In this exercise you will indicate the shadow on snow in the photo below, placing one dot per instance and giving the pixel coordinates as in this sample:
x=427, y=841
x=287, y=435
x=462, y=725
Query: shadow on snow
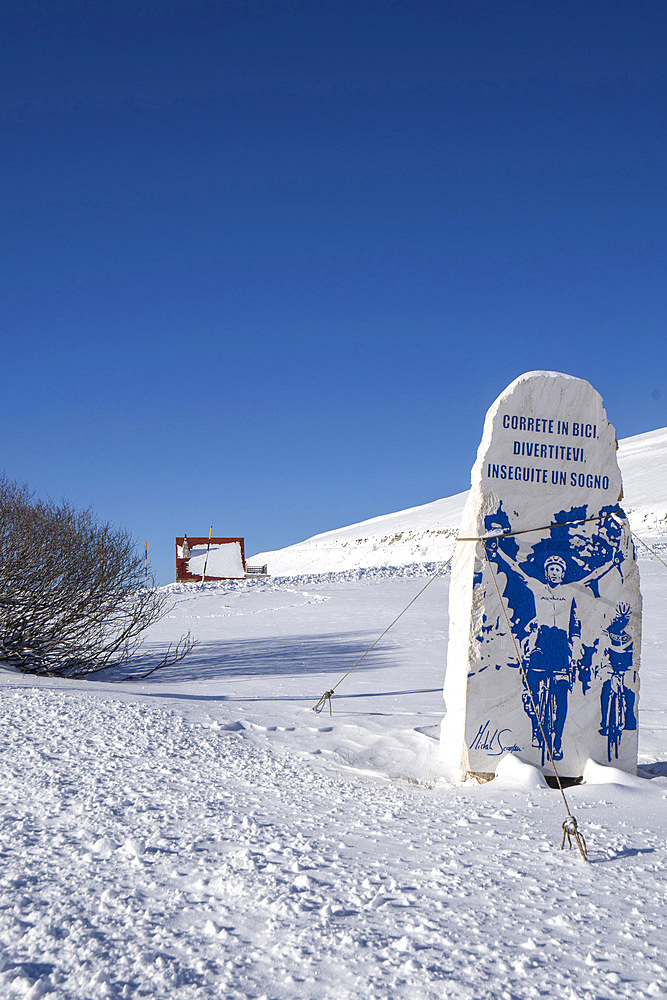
x=272, y=657
x=656, y=770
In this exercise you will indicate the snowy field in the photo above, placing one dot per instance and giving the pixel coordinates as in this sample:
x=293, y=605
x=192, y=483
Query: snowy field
x=204, y=834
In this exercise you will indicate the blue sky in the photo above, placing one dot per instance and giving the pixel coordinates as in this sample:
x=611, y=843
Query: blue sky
x=266, y=264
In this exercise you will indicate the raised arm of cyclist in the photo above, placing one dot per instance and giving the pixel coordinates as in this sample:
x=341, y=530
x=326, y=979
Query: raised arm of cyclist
x=511, y=562
x=595, y=574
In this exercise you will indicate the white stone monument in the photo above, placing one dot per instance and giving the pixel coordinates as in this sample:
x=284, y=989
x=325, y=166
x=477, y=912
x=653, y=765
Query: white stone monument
x=544, y=606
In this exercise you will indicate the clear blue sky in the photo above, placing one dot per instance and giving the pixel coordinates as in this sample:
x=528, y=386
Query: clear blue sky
x=265, y=265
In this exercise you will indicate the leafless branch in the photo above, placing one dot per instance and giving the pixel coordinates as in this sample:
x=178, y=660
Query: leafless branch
x=72, y=594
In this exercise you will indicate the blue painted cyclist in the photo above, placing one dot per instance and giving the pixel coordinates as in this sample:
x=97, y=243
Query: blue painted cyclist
x=553, y=647
x=618, y=660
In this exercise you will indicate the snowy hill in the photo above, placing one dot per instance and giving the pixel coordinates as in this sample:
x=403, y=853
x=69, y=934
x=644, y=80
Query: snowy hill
x=426, y=533
x=643, y=462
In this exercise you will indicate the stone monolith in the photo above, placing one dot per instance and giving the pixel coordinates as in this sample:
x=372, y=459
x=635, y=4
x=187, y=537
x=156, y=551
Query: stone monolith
x=545, y=605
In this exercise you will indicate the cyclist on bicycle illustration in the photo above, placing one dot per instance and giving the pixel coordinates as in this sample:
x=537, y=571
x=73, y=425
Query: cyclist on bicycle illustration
x=617, y=702
x=553, y=647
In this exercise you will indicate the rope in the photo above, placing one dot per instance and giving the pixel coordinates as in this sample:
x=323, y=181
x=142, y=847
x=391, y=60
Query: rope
x=570, y=828
x=327, y=696
x=545, y=527
x=322, y=703
x=647, y=547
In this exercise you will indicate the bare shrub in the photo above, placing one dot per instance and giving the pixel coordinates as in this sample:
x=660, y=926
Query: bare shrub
x=72, y=594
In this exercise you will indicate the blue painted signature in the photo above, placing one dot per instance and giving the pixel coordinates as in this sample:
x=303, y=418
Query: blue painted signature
x=494, y=741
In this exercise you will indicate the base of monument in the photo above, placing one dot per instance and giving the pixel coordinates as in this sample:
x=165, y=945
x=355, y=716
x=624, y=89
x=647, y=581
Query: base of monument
x=566, y=782
x=479, y=776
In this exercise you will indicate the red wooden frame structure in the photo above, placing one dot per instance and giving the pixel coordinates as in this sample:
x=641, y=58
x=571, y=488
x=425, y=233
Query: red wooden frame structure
x=182, y=574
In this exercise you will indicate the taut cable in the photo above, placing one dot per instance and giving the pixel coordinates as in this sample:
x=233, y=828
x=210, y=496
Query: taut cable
x=570, y=828
x=328, y=695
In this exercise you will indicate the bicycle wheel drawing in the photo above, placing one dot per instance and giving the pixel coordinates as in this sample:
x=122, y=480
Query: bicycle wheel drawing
x=546, y=713
x=615, y=718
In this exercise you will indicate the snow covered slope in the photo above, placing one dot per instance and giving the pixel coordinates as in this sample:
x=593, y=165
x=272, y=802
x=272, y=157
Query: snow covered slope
x=427, y=533
x=417, y=535
x=643, y=461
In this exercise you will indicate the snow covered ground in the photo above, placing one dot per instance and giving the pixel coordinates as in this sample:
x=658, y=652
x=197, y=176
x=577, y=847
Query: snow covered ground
x=204, y=834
